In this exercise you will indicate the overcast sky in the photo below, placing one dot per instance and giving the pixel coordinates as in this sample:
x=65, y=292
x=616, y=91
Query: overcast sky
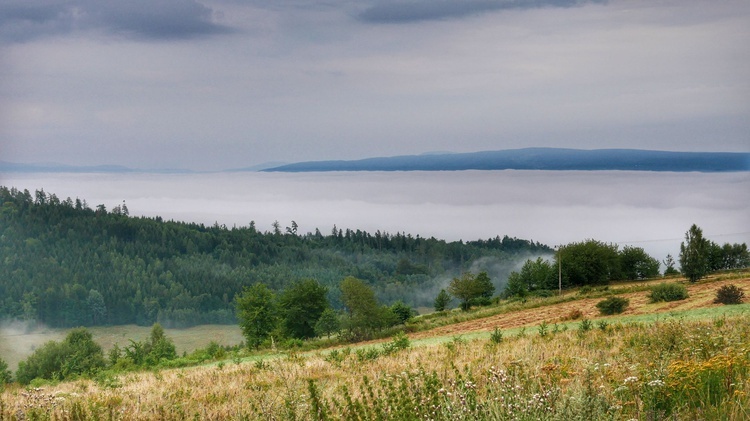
x=230, y=83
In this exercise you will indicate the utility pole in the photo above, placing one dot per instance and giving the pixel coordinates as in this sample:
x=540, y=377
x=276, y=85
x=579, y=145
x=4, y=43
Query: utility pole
x=559, y=270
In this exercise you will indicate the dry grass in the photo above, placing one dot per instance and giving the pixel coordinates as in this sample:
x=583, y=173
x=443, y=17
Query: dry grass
x=701, y=296
x=682, y=368
x=622, y=365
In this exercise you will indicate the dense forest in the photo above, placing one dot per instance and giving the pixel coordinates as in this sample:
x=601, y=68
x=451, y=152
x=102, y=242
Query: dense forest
x=65, y=264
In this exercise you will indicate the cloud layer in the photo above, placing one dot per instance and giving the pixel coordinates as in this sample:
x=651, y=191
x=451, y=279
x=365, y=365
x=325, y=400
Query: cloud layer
x=23, y=20
x=214, y=84
x=406, y=11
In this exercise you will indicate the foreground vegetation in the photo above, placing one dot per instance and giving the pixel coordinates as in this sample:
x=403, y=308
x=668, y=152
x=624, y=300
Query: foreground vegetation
x=677, y=369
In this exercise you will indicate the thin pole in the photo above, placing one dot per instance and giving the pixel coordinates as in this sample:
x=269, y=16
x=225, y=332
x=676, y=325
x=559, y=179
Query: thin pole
x=559, y=271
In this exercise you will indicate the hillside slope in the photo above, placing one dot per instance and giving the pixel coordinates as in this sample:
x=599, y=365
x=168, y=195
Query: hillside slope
x=701, y=296
x=679, y=368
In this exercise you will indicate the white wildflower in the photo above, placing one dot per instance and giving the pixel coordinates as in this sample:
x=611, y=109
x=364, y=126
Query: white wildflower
x=656, y=383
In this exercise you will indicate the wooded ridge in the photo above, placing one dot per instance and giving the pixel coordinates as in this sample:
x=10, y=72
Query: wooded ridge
x=65, y=264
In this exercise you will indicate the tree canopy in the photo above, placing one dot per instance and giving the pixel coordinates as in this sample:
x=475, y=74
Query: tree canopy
x=469, y=287
x=67, y=264
x=258, y=313
x=301, y=305
x=694, y=254
x=589, y=262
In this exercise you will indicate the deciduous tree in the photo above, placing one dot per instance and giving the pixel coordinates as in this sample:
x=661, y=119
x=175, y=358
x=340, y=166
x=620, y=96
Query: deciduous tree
x=590, y=262
x=328, y=323
x=364, y=313
x=635, y=263
x=469, y=287
x=694, y=258
x=257, y=313
x=301, y=305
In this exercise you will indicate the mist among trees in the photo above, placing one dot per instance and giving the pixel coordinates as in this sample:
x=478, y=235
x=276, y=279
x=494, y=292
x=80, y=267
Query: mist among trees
x=67, y=264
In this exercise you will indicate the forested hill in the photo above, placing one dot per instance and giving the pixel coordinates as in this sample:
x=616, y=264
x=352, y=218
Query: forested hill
x=554, y=159
x=65, y=264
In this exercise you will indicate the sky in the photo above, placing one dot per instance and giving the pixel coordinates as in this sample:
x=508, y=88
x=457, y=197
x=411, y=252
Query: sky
x=219, y=84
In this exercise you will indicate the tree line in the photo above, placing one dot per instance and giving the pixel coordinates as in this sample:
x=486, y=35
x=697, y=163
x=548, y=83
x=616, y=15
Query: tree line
x=592, y=262
x=66, y=263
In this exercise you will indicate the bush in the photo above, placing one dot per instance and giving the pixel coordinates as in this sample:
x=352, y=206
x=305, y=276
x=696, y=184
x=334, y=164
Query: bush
x=5, y=374
x=668, y=292
x=585, y=326
x=496, y=336
x=293, y=343
x=403, y=312
x=399, y=342
x=612, y=305
x=729, y=294
x=76, y=355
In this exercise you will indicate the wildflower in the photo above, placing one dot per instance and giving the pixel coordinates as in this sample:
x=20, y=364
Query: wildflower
x=631, y=379
x=656, y=383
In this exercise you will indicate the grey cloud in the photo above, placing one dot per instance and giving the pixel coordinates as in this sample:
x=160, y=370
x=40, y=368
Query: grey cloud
x=407, y=11
x=23, y=20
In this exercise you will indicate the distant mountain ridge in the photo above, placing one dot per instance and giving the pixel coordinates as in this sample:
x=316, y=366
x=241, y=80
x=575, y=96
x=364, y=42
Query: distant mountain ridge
x=551, y=159
x=556, y=159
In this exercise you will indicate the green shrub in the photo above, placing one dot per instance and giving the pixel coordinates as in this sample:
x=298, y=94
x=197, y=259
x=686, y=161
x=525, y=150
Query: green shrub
x=496, y=336
x=586, y=289
x=293, y=343
x=5, y=374
x=403, y=312
x=334, y=357
x=543, y=329
x=668, y=292
x=77, y=355
x=399, y=342
x=367, y=354
x=729, y=294
x=612, y=305
x=585, y=326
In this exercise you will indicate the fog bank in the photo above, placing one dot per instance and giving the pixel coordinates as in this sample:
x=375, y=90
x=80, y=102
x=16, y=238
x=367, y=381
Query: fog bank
x=649, y=210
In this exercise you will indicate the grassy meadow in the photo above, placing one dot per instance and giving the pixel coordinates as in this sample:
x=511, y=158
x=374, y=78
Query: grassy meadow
x=16, y=343
x=679, y=360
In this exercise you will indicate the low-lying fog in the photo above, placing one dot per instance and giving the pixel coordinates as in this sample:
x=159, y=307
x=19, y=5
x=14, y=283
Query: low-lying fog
x=649, y=210
x=646, y=209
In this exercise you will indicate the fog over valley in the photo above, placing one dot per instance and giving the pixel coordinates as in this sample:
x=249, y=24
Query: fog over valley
x=644, y=209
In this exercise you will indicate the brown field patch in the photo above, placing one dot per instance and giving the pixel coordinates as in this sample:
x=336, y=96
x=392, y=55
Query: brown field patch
x=701, y=296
